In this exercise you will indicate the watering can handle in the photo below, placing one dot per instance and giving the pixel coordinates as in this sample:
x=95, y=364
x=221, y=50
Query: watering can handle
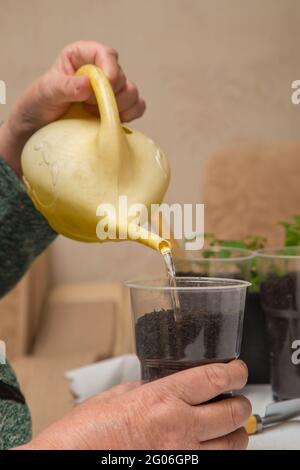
x=105, y=97
x=104, y=94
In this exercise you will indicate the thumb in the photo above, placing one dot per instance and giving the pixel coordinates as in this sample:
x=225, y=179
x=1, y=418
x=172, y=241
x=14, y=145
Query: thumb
x=68, y=89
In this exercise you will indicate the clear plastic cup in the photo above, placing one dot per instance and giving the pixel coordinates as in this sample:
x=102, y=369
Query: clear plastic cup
x=236, y=263
x=279, y=275
x=207, y=329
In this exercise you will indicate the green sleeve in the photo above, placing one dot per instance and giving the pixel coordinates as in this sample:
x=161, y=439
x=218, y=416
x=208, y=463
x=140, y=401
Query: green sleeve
x=24, y=234
x=15, y=419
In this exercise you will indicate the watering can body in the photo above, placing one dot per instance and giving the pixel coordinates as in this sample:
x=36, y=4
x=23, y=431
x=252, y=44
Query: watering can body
x=79, y=162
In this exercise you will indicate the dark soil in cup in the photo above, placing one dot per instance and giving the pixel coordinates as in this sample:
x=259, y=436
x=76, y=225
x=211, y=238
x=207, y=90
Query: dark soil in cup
x=254, y=348
x=281, y=301
x=165, y=346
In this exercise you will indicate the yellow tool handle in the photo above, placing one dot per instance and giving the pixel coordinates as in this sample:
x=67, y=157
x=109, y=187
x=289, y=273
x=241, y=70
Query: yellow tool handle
x=253, y=425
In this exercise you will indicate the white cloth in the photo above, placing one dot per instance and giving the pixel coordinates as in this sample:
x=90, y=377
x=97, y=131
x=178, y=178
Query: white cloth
x=95, y=378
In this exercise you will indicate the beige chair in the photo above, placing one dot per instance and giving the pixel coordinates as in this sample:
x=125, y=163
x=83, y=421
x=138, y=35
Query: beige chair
x=49, y=331
x=248, y=189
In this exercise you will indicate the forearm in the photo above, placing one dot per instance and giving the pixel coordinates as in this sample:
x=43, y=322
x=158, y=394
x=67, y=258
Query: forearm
x=14, y=134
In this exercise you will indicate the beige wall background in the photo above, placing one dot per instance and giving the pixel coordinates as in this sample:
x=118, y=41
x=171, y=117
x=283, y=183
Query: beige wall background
x=213, y=72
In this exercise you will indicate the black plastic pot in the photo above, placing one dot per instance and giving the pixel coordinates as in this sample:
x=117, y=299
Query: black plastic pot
x=280, y=298
x=279, y=276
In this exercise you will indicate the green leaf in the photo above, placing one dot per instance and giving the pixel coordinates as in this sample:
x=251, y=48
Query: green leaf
x=224, y=253
x=208, y=253
x=292, y=231
x=255, y=242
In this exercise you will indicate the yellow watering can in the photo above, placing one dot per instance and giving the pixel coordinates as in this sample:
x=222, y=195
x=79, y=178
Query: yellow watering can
x=78, y=162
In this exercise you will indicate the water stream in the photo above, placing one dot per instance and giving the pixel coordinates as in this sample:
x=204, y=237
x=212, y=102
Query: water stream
x=168, y=259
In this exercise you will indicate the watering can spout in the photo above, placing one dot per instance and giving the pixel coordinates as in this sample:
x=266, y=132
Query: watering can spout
x=152, y=240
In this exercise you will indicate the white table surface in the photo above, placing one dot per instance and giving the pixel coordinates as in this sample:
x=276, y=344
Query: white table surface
x=285, y=436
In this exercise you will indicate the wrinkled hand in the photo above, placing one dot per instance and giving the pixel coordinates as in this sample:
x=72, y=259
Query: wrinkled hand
x=170, y=413
x=50, y=96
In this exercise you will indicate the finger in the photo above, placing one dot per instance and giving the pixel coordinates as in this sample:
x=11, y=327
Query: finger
x=201, y=384
x=76, y=54
x=80, y=53
x=134, y=112
x=94, y=110
x=91, y=52
x=226, y=415
x=122, y=82
x=128, y=97
x=108, y=62
x=61, y=88
x=237, y=440
x=83, y=89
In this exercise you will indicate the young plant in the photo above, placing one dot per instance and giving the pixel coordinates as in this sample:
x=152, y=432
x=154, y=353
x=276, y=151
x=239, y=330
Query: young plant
x=253, y=243
x=292, y=233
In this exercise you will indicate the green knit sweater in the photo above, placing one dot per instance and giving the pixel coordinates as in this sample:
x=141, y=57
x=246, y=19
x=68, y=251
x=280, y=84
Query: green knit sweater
x=24, y=234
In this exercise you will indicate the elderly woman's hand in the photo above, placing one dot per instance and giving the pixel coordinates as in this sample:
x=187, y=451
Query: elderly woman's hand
x=50, y=96
x=170, y=413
